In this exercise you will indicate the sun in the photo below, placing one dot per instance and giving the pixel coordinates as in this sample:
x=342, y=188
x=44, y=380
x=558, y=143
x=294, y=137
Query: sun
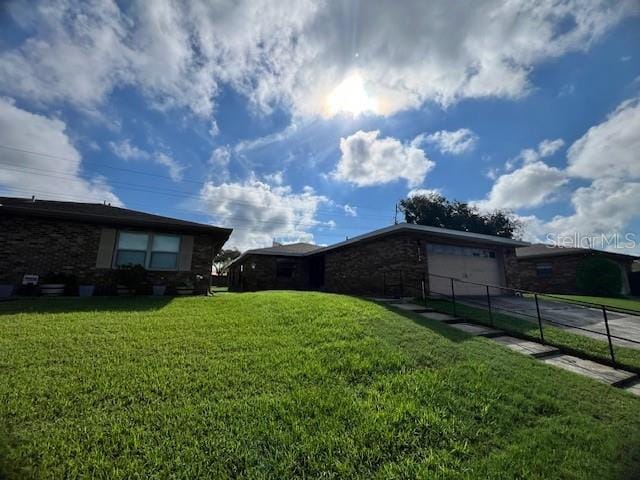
x=350, y=97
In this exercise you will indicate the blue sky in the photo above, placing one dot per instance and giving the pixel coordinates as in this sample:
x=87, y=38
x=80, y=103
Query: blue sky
x=308, y=121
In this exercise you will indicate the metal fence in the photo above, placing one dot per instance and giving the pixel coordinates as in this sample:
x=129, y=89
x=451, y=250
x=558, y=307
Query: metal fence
x=494, y=300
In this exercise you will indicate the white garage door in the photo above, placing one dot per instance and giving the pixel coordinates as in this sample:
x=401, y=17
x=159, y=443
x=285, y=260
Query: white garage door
x=471, y=264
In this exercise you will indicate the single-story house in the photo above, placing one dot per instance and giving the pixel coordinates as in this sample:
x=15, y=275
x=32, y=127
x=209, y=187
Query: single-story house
x=90, y=241
x=553, y=269
x=389, y=261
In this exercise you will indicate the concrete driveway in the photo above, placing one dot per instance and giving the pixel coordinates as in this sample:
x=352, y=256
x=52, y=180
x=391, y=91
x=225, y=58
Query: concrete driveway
x=621, y=325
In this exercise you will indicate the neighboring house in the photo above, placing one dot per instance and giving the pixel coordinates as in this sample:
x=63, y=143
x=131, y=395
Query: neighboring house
x=391, y=260
x=91, y=240
x=551, y=269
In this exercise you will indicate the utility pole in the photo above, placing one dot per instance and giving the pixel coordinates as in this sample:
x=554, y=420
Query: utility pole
x=395, y=217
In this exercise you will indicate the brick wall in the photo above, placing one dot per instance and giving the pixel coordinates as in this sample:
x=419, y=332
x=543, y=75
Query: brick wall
x=39, y=246
x=259, y=272
x=563, y=277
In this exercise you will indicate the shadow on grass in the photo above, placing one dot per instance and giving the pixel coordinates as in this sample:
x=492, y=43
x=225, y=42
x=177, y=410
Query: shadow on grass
x=78, y=304
x=435, y=326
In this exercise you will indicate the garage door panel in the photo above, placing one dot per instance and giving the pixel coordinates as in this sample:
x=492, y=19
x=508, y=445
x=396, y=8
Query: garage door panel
x=479, y=269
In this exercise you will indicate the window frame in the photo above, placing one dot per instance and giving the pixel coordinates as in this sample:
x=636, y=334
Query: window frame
x=293, y=264
x=546, y=267
x=149, y=251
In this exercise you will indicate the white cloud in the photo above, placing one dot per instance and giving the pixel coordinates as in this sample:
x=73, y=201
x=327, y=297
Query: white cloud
x=424, y=192
x=220, y=157
x=260, y=213
x=350, y=211
x=275, y=178
x=369, y=160
x=127, y=151
x=611, y=148
x=455, y=142
x=546, y=148
x=214, y=130
x=293, y=53
x=58, y=174
x=175, y=168
x=529, y=186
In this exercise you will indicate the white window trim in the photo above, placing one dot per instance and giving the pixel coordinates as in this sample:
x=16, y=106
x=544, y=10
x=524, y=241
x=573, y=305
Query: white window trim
x=147, y=257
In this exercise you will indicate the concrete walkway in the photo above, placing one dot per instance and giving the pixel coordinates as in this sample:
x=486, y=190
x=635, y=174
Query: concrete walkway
x=548, y=354
x=621, y=325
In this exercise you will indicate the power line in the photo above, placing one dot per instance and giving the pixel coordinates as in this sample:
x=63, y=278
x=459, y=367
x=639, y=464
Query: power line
x=123, y=169
x=236, y=221
x=155, y=190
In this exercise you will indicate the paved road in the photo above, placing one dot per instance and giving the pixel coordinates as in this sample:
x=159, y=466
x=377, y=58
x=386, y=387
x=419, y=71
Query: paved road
x=621, y=325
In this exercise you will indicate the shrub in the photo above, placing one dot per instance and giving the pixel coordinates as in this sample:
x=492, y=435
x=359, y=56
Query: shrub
x=132, y=277
x=599, y=276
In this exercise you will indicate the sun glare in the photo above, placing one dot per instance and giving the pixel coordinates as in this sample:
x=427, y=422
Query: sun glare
x=351, y=97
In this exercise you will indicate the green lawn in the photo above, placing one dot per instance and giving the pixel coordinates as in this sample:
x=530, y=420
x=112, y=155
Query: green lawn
x=565, y=338
x=626, y=303
x=282, y=385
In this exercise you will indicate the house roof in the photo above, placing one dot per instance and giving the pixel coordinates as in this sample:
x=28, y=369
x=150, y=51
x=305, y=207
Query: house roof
x=540, y=250
x=306, y=249
x=103, y=214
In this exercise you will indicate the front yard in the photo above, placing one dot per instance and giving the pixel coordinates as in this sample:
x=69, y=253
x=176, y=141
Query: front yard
x=288, y=384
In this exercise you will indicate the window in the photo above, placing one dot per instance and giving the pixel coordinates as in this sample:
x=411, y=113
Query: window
x=285, y=267
x=132, y=249
x=544, y=269
x=153, y=251
x=164, y=252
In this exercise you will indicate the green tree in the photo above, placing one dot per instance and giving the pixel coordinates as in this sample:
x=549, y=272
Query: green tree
x=436, y=211
x=599, y=276
x=223, y=259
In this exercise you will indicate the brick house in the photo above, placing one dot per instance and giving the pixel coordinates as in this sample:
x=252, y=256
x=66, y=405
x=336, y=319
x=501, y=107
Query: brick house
x=90, y=241
x=389, y=261
x=551, y=269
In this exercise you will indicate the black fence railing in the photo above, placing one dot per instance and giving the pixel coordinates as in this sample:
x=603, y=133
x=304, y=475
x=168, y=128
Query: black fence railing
x=541, y=308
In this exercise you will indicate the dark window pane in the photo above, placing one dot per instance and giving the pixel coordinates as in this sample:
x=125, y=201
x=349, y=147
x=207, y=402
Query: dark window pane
x=165, y=261
x=285, y=267
x=128, y=257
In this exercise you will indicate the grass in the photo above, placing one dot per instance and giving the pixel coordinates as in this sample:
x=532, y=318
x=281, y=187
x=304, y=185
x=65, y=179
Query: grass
x=571, y=342
x=289, y=385
x=613, y=302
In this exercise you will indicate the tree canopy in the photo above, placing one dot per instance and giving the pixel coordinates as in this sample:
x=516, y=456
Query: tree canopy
x=435, y=210
x=223, y=259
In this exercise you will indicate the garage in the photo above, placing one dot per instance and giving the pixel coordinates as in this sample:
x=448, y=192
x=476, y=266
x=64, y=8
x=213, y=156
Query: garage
x=470, y=264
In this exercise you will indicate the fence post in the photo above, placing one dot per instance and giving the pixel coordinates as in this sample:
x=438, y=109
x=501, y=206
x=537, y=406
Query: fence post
x=489, y=304
x=453, y=298
x=606, y=324
x=539, y=318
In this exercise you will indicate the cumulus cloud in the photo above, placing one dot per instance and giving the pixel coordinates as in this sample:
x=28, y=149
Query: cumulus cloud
x=293, y=52
x=260, y=213
x=127, y=151
x=529, y=186
x=546, y=148
x=453, y=142
x=611, y=148
x=56, y=175
x=369, y=160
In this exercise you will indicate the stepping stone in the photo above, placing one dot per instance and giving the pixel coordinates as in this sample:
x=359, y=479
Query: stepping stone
x=412, y=307
x=597, y=371
x=474, y=329
x=441, y=317
x=525, y=347
x=634, y=388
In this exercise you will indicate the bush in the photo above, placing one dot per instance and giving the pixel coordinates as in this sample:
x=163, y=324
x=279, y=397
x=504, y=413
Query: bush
x=600, y=277
x=132, y=277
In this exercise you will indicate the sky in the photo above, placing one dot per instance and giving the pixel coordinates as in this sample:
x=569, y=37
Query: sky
x=309, y=120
